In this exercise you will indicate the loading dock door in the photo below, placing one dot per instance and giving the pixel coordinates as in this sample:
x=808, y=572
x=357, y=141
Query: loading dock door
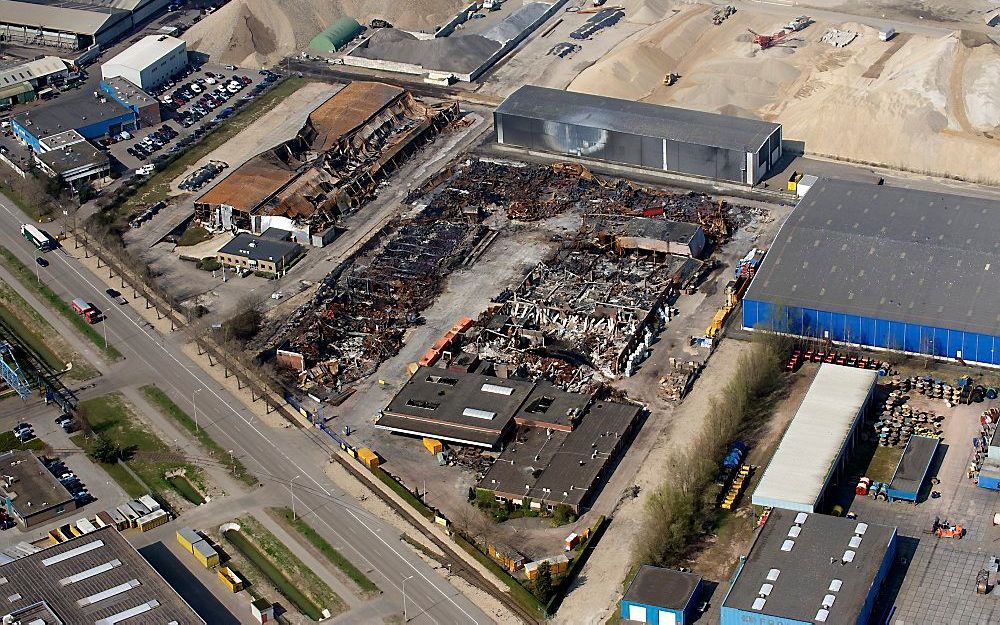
x=637, y=613
x=667, y=618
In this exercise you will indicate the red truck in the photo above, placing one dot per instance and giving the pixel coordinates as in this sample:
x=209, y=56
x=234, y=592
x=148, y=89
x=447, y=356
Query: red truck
x=86, y=310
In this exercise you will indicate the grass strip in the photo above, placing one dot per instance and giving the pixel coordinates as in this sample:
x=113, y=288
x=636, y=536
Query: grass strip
x=520, y=594
x=404, y=492
x=161, y=400
x=366, y=585
x=9, y=442
x=26, y=277
x=109, y=417
x=281, y=566
x=157, y=187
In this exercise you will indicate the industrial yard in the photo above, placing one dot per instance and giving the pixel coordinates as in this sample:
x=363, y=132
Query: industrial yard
x=513, y=311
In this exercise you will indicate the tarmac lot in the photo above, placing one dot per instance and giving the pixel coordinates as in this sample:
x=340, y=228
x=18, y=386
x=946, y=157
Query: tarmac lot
x=934, y=579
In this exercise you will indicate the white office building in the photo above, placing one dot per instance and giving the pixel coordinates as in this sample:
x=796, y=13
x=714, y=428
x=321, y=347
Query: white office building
x=148, y=63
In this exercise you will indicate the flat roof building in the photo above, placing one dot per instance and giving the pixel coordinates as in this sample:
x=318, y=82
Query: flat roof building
x=59, y=24
x=815, y=446
x=810, y=568
x=32, y=495
x=635, y=133
x=650, y=234
x=885, y=268
x=96, y=578
x=148, y=63
x=913, y=468
x=265, y=254
x=75, y=164
x=92, y=117
x=659, y=596
x=129, y=95
x=550, y=467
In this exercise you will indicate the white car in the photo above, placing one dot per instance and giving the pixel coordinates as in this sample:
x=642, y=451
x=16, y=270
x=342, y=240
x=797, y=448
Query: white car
x=195, y=88
x=233, y=89
x=209, y=80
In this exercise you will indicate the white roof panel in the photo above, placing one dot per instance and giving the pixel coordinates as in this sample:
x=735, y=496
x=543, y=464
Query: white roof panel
x=145, y=52
x=63, y=19
x=801, y=467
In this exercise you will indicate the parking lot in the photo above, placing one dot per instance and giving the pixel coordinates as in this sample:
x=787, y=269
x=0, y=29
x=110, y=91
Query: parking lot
x=190, y=107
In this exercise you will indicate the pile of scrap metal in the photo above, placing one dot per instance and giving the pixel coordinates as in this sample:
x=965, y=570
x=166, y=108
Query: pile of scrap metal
x=586, y=309
x=359, y=316
x=334, y=163
x=535, y=192
x=676, y=384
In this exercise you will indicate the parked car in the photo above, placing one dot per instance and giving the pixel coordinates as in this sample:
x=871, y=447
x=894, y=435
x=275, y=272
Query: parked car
x=41, y=261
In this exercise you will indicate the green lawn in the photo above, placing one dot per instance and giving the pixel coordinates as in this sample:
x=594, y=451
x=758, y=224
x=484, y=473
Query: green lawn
x=157, y=187
x=8, y=442
x=110, y=417
x=366, y=585
x=166, y=405
x=27, y=277
x=300, y=584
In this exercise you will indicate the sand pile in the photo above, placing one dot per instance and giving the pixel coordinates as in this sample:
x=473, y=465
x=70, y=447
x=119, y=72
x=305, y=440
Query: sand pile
x=649, y=11
x=934, y=100
x=255, y=33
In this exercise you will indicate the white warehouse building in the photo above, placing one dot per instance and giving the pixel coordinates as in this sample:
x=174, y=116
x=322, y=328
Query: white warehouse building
x=148, y=63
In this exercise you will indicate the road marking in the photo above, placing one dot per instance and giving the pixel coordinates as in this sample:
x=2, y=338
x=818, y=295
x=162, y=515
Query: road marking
x=261, y=434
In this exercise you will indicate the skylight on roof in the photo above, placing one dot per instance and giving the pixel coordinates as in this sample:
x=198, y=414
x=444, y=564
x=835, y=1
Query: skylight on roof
x=787, y=545
x=758, y=603
x=835, y=585
x=773, y=574
x=848, y=556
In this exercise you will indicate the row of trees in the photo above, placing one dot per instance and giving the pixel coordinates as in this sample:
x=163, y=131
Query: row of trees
x=683, y=506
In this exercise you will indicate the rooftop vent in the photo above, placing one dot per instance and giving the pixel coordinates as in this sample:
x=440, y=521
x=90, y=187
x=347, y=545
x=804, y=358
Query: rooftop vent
x=773, y=574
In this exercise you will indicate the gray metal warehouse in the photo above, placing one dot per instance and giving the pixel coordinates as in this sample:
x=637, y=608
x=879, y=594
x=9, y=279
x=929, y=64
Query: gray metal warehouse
x=634, y=133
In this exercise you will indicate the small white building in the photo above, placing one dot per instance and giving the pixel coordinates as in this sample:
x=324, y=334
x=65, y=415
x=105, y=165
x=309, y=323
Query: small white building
x=148, y=63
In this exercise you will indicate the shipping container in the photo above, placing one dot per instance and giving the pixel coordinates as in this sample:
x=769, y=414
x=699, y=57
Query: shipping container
x=151, y=520
x=149, y=502
x=205, y=553
x=989, y=481
x=187, y=537
x=572, y=541
x=139, y=507
x=117, y=519
x=129, y=514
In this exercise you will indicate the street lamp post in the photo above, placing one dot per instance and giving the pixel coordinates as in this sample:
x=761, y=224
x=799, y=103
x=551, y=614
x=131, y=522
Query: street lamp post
x=406, y=619
x=194, y=404
x=232, y=461
x=291, y=493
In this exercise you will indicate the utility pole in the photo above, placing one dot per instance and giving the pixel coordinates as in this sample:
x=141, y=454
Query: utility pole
x=291, y=492
x=194, y=404
x=406, y=619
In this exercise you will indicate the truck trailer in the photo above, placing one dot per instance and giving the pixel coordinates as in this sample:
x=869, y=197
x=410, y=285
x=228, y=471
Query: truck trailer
x=86, y=310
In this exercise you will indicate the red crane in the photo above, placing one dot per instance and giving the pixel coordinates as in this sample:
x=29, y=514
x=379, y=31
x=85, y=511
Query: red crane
x=766, y=41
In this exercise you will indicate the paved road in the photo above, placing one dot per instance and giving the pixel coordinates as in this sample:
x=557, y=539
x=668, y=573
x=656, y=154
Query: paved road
x=277, y=456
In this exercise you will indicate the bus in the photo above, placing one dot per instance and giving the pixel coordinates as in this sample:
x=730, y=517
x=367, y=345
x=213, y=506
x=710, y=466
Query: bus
x=37, y=238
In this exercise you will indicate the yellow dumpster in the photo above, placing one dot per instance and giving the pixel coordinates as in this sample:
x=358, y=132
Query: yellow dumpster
x=433, y=446
x=187, y=537
x=205, y=553
x=232, y=581
x=368, y=458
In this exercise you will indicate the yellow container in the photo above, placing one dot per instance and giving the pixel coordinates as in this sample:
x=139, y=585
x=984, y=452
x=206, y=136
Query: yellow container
x=368, y=458
x=151, y=520
x=206, y=554
x=433, y=446
x=55, y=537
x=187, y=537
x=232, y=581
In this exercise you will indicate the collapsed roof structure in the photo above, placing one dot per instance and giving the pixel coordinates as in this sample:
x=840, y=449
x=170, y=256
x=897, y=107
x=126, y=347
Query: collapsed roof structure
x=330, y=168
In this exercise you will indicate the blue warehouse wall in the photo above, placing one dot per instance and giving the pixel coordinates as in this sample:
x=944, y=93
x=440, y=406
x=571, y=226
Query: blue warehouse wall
x=872, y=332
x=106, y=88
x=25, y=135
x=125, y=121
x=733, y=616
x=652, y=613
x=880, y=576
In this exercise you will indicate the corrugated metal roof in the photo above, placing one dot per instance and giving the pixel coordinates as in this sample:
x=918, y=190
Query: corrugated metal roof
x=801, y=467
x=888, y=253
x=59, y=18
x=250, y=184
x=348, y=109
x=32, y=69
x=145, y=52
x=638, y=118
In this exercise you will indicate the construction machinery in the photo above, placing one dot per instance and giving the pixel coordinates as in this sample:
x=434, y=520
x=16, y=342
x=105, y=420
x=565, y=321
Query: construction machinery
x=670, y=79
x=982, y=582
x=766, y=41
x=720, y=14
x=798, y=23
x=944, y=529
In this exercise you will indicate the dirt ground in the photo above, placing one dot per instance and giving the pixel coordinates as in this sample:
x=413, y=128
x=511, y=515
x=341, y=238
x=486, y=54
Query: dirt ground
x=259, y=33
x=934, y=93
